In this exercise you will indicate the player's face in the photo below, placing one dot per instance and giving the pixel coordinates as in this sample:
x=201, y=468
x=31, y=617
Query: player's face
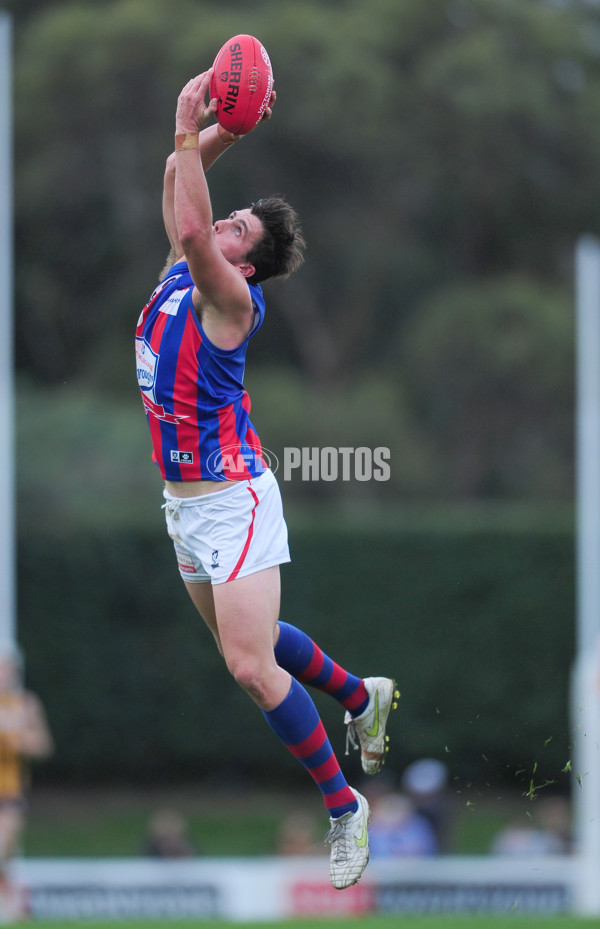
x=237, y=235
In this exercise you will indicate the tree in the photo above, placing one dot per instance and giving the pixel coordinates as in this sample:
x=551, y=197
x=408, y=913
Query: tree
x=490, y=371
x=425, y=145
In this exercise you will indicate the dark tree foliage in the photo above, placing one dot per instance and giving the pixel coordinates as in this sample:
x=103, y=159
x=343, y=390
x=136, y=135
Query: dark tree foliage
x=429, y=147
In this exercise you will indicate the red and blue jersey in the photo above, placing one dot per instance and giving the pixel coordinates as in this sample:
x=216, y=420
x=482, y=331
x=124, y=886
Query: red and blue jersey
x=197, y=407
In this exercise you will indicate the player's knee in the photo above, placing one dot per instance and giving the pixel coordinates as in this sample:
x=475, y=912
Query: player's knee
x=247, y=673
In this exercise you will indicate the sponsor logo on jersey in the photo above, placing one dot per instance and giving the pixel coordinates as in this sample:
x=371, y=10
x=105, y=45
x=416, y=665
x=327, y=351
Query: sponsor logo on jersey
x=146, y=364
x=182, y=457
x=171, y=305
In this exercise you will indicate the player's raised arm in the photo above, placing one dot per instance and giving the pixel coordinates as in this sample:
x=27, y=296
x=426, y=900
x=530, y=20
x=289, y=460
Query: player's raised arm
x=219, y=275
x=213, y=142
x=239, y=114
x=168, y=211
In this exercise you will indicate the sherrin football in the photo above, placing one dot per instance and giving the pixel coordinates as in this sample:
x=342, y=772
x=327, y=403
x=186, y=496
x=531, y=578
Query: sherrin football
x=242, y=82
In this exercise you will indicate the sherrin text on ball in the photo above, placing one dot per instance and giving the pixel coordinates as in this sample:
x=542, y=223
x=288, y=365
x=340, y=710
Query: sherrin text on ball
x=242, y=82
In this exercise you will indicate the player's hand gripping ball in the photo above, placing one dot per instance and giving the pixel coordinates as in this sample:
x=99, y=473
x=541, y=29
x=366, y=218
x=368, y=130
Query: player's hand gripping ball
x=242, y=82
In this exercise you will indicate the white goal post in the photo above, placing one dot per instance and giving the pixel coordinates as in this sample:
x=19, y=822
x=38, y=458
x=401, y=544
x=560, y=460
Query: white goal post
x=7, y=489
x=585, y=698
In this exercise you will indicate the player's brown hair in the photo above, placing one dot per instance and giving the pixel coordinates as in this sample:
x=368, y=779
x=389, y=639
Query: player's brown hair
x=280, y=250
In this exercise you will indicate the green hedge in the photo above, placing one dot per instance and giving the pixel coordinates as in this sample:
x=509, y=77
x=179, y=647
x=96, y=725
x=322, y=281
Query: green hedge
x=476, y=625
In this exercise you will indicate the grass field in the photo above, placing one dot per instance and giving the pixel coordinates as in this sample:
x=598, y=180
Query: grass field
x=511, y=921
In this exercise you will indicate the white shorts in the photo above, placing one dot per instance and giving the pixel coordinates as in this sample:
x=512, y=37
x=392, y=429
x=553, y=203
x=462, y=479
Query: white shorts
x=229, y=533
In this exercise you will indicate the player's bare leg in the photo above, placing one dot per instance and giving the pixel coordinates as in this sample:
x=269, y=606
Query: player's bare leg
x=246, y=612
x=202, y=598
x=242, y=615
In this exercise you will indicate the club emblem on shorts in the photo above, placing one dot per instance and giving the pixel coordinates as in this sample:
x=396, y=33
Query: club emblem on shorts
x=215, y=558
x=182, y=457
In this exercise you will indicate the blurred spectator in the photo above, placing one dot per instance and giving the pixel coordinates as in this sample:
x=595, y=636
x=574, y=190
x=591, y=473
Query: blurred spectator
x=554, y=815
x=550, y=834
x=24, y=735
x=297, y=836
x=398, y=829
x=425, y=782
x=167, y=836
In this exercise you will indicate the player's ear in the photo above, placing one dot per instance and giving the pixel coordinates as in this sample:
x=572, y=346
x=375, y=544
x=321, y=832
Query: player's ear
x=247, y=269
